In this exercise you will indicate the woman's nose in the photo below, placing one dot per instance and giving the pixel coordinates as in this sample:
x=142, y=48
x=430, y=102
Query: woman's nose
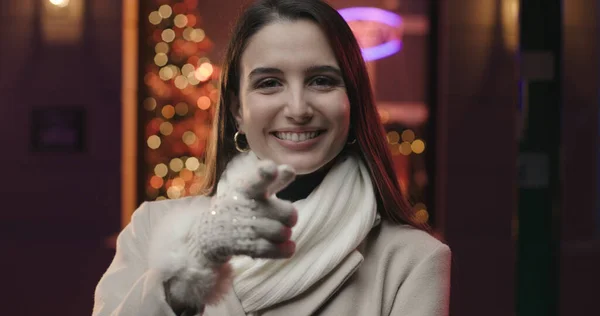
x=298, y=108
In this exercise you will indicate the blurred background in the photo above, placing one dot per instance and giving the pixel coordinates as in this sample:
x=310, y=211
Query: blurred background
x=491, y=110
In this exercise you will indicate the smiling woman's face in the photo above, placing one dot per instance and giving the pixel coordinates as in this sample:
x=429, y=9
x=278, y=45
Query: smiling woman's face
x=293, y=104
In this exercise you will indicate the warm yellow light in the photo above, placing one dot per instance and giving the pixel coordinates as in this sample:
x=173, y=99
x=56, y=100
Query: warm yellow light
x=180, y=21
x=174, y=192
x=181, y=82
x=166, y=128
x=175, y=69
x=153, y=142
x=421, y=216
x=418, y=146
x=166, y=73
x=408, y=135
x=203, y=103
x=203, y=60
x=168, y=111
x=393, y=137
x=191, y=78
x=165, y=11
x=192, y=163
x=187, y=33
x=168, y=35
x=510, y=24
x=60, y=3
x=161, y=47
x=405, y=148
x=187, y=69
x=208, y=66
x=197, y=35
x=154, y=18
x=161, y=59
x=204, y=72
x=384, y=116
x=189, y=138
x=161, y=170
x=176, y=164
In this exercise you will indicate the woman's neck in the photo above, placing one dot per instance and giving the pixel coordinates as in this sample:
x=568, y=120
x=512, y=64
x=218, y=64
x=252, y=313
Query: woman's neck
x=304, y=184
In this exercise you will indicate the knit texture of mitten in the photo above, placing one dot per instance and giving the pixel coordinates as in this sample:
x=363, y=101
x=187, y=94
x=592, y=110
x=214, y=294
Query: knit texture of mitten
x=192, y=248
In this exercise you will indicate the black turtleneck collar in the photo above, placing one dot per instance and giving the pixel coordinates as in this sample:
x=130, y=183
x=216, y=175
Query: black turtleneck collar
x=304, y=184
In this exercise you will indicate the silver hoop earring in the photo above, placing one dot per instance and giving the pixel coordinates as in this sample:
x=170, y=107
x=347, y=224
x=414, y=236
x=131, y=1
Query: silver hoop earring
x=352, y=142
x=237, y=145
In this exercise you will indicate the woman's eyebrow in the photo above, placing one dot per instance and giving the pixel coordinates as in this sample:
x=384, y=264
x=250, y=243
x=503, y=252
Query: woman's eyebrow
x=324, y=68
x=264, y=71
x=310, y=70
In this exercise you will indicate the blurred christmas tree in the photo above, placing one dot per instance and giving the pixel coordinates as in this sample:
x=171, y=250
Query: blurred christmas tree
x=180, y=87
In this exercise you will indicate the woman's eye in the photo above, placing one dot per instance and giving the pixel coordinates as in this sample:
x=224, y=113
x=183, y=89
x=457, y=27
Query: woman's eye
x=325, y=82
x=267, y=83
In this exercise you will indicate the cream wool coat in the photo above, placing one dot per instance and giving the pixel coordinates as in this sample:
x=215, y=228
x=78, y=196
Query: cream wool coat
x=396, y=271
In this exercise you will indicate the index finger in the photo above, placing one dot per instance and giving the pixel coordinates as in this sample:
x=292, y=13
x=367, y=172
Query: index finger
x=285, y=175
x=256, y=184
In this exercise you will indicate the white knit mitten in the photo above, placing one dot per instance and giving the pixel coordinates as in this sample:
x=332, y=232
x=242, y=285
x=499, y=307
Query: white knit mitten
x=244, y=219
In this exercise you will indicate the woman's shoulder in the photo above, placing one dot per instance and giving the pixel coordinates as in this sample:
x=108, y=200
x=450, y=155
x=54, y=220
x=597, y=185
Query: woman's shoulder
x=408, y=241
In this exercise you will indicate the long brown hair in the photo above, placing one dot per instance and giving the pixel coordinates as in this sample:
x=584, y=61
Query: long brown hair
x=365, y=123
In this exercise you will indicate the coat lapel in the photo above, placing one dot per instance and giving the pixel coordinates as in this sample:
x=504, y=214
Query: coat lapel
x=305, y=304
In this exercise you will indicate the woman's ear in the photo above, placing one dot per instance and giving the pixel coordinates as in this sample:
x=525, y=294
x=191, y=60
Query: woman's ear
x=236, y=111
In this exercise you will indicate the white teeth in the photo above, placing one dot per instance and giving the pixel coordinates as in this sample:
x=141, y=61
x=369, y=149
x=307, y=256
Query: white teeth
x=296, y=137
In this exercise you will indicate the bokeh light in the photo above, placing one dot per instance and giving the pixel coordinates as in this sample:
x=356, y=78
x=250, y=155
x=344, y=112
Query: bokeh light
x=154, y=18
x=166, y=128
x=168, y=111
x=168, y=35
x=165, y=11
x=408, y=135
x=418, y=146
x=405, y=148
x=203, y=103
x=176, y=164
x=192, y=163
x=393, y=137
x=161, y=170
x=153, y=142
x=181, y=21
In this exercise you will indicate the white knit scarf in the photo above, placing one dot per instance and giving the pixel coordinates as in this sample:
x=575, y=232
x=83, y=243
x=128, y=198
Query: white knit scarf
x=332, y=221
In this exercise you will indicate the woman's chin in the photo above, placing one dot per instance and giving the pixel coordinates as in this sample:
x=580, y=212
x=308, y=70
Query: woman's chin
x=303, y=161
x=305, y=165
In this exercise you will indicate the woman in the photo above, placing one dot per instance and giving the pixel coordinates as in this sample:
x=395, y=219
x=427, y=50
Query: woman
x=302, y=213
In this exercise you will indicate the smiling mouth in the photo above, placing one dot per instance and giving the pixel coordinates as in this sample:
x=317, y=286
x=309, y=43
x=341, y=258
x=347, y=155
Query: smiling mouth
x=297, y=137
